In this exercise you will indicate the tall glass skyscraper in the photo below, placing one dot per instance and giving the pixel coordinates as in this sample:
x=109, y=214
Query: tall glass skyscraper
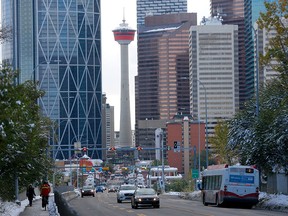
x=252, y=9
x=58, y=43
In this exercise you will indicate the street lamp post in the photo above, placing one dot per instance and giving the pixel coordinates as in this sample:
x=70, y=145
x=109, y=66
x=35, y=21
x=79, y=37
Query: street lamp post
x=257, y=69
x=162, y=158
x=206, y=123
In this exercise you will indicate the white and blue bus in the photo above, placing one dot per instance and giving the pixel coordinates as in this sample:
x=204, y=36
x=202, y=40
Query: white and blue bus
x=223, y=184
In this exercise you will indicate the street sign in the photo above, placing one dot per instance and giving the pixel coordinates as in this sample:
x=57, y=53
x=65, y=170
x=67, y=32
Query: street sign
x=195, y=173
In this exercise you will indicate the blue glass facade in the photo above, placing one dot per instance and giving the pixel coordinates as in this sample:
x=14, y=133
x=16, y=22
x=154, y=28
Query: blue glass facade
x=58, y=43
x=252, y=9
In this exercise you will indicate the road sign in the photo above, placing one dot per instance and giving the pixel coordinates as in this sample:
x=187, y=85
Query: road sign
x=195, y=173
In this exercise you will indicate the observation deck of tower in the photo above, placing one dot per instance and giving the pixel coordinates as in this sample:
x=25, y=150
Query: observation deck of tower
x=124, y=35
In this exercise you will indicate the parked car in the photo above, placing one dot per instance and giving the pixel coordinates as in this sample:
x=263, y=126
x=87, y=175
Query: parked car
x=145, y=197
x=88, y=191
x=125, y=192
x=99, y=189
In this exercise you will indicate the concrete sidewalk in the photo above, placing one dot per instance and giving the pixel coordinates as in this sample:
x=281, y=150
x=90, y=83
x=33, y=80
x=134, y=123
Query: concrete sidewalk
x=37, y=210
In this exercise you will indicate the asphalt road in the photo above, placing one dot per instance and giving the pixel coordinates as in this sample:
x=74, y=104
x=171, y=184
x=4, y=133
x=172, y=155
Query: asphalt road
x=106, y=204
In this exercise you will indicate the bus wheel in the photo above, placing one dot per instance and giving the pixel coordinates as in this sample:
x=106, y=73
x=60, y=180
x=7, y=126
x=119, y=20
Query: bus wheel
x=204, y=202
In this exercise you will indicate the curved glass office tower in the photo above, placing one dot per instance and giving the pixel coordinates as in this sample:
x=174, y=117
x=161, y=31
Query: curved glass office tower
x=58, y=43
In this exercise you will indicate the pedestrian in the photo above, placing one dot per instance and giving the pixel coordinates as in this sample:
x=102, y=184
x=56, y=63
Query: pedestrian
x=44, y=192
x=30, y=193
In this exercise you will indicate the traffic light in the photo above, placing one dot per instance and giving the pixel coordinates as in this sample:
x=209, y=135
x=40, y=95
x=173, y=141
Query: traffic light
x=168, y=148
x=112, y=149
x=175, y=144
x=139, y=148
x=84, y=149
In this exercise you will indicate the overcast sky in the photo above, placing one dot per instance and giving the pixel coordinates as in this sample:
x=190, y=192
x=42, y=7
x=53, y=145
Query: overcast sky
x=112, y=16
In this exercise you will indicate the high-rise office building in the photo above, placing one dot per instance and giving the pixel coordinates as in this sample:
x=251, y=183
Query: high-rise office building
x=252, y=9
x=232, y=13
x=59, y=44
x=266, y=73
x=162, y=83
x=152, y=8
x=108, y=131
x=214, y=72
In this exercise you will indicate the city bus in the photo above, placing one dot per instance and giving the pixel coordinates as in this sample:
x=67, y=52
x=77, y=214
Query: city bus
x=223, y=184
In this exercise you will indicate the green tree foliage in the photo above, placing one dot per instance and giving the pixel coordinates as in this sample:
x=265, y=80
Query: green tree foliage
x=23, y=134
x=276, y=19
x=263, y=139
x=219, y=143
x=179, y=185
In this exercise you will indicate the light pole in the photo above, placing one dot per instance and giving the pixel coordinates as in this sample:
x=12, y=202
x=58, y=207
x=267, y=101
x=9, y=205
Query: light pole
x=162, y=158
x=206, y=123
x=257, y=69
x=199, y=154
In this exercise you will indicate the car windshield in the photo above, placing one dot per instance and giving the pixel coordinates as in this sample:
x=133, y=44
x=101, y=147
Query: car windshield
x=146, y=191
x=128, y=187
x=87, y=188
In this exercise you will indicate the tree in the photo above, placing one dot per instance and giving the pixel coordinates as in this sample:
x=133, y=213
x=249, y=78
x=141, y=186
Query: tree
x=262, y=139
x=24, y=150
x=219, y=143
x=275, y=18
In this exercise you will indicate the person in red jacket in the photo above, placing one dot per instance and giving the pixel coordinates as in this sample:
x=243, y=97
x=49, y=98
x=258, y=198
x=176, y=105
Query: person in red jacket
x=44, y=192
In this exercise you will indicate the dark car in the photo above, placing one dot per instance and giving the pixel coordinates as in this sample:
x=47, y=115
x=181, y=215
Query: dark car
x=99, y=189
x=88, y=191
x=112, y=188
x=145, y=197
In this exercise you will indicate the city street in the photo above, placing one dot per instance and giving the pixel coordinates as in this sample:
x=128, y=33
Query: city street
x=106, y=204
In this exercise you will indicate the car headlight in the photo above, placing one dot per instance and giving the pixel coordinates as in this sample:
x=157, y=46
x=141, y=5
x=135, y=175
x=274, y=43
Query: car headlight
x=155, y=199
x=139, y=199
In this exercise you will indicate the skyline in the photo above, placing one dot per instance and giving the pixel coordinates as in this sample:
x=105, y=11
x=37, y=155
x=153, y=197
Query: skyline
x=111, y=50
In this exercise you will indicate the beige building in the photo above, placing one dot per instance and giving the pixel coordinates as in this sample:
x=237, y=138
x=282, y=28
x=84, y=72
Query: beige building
x=213, y=72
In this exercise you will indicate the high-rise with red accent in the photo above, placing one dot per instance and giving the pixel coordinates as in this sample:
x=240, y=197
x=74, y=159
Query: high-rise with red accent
x=124, y=35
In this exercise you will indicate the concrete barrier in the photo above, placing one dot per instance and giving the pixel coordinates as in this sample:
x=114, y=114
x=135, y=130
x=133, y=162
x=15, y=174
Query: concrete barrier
x=69, y=195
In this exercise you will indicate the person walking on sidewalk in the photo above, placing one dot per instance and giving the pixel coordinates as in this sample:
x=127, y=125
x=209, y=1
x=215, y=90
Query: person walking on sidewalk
x=30, y=193
x=44, y=192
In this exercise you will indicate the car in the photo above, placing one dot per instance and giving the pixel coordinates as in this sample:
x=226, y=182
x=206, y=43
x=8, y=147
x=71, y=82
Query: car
x=145, y=197
x=88, y=191
x=99, y=189
x=103, y=187
x=112, y=188
x=125, y=192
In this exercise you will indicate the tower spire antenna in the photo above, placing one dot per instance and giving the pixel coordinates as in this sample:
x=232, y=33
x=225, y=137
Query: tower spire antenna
x=124, y=20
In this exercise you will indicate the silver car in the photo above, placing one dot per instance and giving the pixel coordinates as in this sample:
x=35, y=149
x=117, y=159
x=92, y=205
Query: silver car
x=125, y=192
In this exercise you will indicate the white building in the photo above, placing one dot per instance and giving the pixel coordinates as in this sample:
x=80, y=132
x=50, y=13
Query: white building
x=170, y=173
x=213, y=72
x=263, y=36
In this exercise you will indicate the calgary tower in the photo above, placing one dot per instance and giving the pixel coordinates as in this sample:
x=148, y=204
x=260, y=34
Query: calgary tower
x=124, y=35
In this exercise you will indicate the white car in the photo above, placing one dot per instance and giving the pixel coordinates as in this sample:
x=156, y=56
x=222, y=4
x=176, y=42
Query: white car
x=125, y=192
